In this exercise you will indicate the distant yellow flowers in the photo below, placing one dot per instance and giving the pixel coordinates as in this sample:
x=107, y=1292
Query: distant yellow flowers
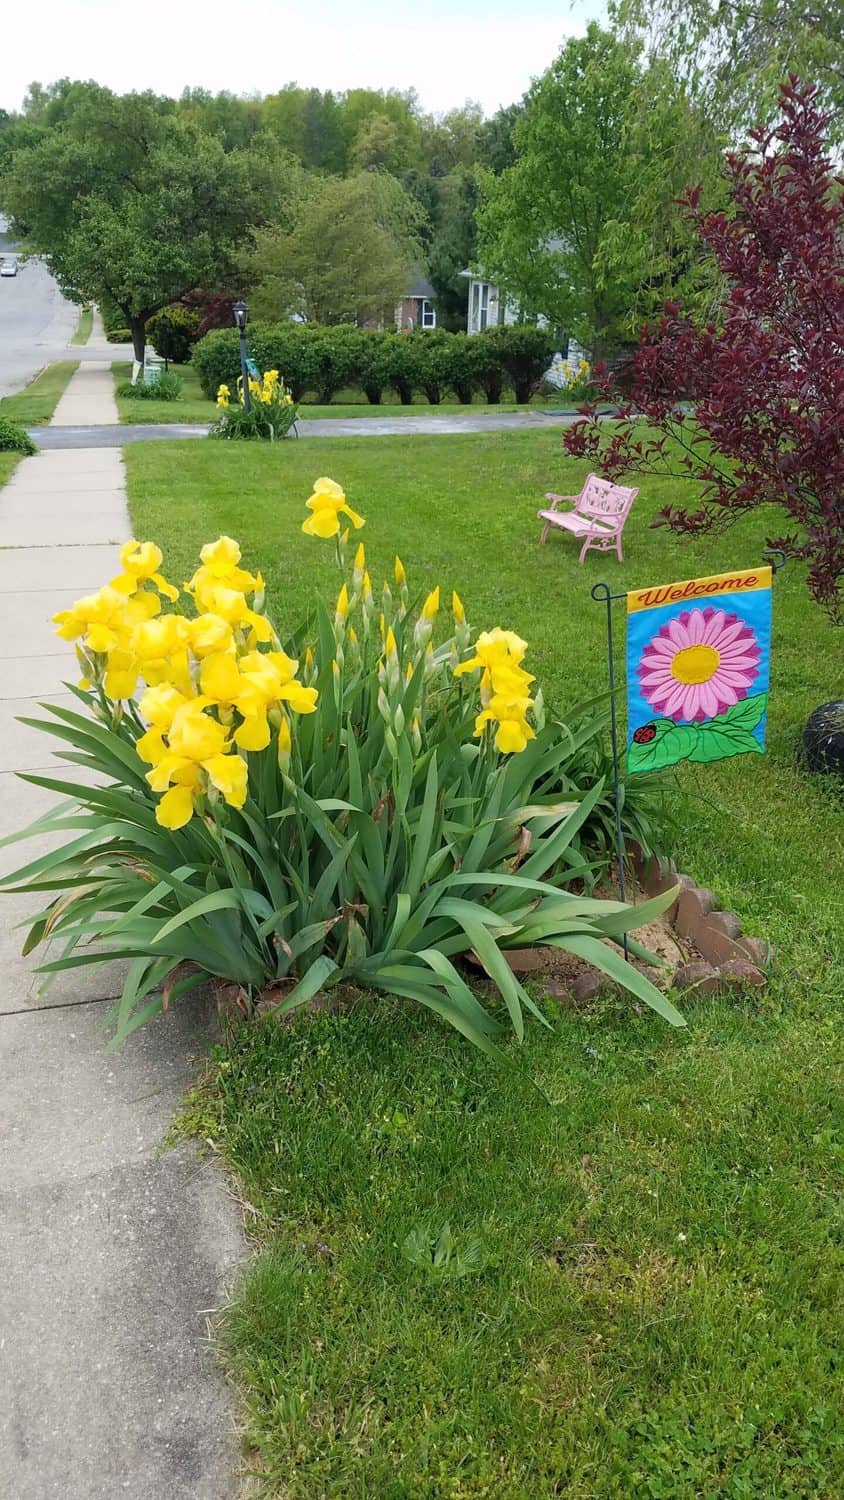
x=268, y=391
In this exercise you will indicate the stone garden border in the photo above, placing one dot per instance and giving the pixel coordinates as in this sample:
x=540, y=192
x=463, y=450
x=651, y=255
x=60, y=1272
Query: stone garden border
x=727, y=959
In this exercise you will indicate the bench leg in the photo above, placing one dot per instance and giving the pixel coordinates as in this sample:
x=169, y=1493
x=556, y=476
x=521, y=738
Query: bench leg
x=545, y=530
x=618, y=552
x=584, y=549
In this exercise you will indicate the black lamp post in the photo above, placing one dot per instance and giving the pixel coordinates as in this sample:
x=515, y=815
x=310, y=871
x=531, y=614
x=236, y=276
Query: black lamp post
x=241, y=318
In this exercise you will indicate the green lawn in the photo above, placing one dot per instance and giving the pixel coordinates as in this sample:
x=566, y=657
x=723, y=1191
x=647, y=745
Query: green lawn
x=34, y=406
x=194, y=407
x=8, y=464
x=651, y=1304
x=84, y=326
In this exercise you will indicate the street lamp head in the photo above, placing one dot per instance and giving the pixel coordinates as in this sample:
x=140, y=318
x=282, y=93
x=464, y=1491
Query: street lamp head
x=241, y=314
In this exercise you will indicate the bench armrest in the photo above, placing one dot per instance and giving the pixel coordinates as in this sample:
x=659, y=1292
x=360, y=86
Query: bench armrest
x=558, y=499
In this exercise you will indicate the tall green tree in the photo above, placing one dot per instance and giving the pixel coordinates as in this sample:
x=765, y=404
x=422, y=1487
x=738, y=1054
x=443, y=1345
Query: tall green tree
x=735, y=53
x=348, y=257
x=453, y=245
x=132, y=204
x=584, y=226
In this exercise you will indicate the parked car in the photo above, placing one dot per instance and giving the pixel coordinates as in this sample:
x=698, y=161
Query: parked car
x=9, y=267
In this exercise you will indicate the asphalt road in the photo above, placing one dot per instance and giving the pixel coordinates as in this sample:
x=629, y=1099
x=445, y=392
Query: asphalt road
x=35, y=321
x=360, y=427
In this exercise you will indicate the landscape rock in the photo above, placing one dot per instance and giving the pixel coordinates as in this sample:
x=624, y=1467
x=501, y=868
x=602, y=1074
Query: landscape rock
x=739, y=974
x=524, y=960
x=698, y=976
x=715, y=937
x=694, y=904
x=756, y=949
x=658, y=875
x=589, y=986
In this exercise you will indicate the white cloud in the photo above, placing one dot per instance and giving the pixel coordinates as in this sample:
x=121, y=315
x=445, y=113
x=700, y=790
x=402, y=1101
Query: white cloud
x=448, y=54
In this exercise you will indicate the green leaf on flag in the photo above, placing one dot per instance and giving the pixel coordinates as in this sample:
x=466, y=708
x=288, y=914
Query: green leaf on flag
x=664, y=743
x=730, y=733
x=668, y=744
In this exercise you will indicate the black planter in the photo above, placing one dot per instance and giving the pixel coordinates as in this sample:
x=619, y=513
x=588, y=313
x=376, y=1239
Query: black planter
x=823, y=738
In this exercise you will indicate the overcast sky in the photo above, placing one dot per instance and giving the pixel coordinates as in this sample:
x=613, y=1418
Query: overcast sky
x=449, y=50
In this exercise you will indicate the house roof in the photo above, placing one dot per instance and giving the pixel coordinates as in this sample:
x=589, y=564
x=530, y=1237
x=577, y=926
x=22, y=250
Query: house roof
x=421, y=287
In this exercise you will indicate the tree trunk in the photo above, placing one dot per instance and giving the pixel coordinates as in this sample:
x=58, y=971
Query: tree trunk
x=138, y=330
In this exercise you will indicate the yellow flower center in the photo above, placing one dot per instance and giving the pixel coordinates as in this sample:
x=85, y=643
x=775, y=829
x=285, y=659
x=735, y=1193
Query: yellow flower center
x=695, y=664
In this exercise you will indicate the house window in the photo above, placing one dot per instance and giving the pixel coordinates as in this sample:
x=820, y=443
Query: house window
x=484, y=306
x=429, y=314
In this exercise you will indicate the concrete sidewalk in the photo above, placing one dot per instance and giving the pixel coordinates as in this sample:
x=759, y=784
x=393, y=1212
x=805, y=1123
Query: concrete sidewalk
x=111, y=1257
x=88, y=400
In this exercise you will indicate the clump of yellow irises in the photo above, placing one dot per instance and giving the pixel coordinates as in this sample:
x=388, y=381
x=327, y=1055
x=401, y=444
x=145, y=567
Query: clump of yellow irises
x=211, y=691
x=268, y=390
x=215, y=685
x=504, y=684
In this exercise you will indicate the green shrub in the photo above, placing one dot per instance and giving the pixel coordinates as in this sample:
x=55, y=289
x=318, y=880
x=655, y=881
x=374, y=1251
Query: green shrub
x=375, y=364
x=434, y=363
x=326, y=360
x=119, y=336
x=172, y=333
x=488, y=354
x=337, y=355
x=13, y=438
x=526, y=352
x=360, y=820
x=290, y=348
x=216, y=360
x=168, y=387
x=402, y=357
x=463, y=367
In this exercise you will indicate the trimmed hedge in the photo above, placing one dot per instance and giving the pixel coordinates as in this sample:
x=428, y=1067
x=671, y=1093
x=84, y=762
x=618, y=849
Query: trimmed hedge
x=326, y=360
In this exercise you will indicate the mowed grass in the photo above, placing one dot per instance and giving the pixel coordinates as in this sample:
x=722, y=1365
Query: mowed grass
x=8, y=464
x=84, y=326
x=195, y=407
x=647, y=1219
x=191, y=407
x=34, y=406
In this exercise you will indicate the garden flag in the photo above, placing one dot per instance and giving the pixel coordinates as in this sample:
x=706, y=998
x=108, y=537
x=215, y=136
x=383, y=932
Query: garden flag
x=698, y=660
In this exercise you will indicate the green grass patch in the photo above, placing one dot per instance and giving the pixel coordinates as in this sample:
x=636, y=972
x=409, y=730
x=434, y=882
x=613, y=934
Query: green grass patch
x=8, y=464
x=195, y=407
x=191, y=406
x=84, y=326
x=646, y=1243
x=34, y=406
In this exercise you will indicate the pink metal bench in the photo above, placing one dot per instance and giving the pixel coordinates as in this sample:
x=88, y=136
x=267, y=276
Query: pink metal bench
x=600, y=511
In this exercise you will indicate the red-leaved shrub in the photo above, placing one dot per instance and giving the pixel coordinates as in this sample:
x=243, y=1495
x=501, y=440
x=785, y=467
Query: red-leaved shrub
x=753, y=407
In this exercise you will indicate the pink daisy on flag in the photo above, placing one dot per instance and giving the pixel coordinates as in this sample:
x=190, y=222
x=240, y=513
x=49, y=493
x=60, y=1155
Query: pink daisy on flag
x=699, y=664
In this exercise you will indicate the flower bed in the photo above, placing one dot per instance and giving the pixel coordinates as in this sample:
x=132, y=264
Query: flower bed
x=361, y=801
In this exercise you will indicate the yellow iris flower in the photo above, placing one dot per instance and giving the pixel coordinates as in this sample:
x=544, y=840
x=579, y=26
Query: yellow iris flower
x=327, y=504
x=504, y=688
x=220, y=569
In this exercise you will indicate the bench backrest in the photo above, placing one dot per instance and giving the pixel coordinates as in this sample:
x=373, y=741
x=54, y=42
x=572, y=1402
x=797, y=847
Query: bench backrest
x=600, y=497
